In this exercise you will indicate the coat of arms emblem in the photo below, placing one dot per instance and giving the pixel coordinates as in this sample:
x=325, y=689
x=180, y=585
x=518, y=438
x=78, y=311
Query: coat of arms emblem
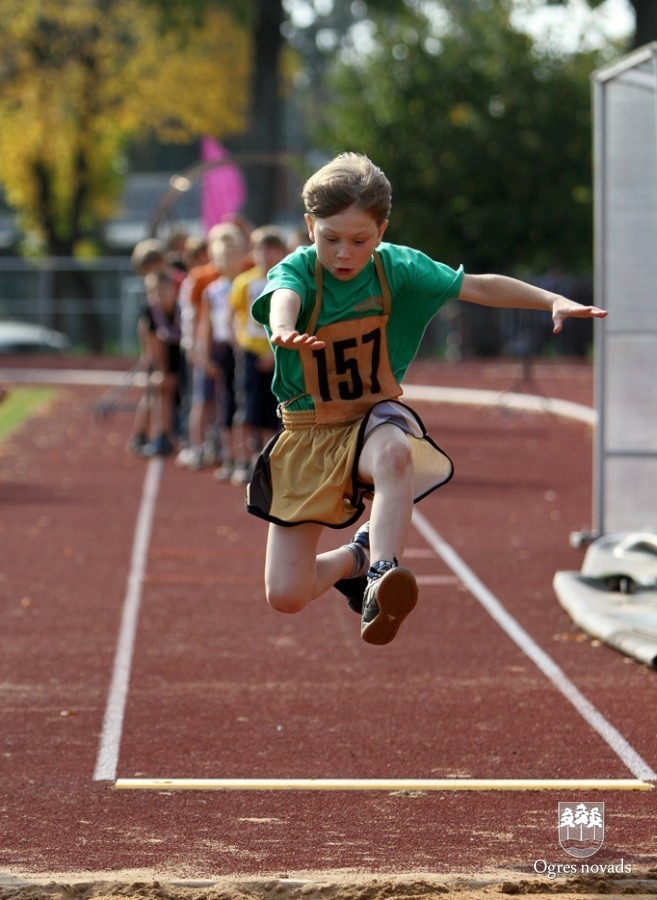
x=581, y=828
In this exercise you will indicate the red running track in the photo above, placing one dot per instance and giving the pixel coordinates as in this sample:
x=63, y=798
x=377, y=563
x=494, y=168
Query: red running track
x=219, y=686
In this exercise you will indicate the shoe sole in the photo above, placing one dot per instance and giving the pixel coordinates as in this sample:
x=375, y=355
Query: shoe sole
x=396, y=597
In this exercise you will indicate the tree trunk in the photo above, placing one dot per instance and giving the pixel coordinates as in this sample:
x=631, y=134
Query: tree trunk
x=72, y=288
x=69, y=284
x=646, y=22
x=264, y=131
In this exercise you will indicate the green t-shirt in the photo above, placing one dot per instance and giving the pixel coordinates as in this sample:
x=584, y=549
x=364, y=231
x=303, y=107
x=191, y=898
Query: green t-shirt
x=419, y=287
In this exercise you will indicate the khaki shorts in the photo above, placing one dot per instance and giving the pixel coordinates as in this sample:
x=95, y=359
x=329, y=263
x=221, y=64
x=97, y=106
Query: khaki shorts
x=309, y=472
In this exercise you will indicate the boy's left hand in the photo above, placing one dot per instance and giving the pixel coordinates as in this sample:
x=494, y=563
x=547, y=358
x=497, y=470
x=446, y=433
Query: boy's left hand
x=563, y=309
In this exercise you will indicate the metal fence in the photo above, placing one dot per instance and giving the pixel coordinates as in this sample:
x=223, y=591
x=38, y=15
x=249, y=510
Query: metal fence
x=625, y=121
x=96, y=305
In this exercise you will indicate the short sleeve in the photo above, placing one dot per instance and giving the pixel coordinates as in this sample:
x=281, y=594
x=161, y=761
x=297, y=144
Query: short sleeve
x=295, y=273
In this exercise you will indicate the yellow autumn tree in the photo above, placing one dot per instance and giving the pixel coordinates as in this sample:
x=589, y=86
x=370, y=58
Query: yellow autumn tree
x=79, y=79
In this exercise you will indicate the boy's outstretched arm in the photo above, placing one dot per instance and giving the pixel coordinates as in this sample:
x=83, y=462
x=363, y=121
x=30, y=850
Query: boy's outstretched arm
x=284, y=310
x=510, y=293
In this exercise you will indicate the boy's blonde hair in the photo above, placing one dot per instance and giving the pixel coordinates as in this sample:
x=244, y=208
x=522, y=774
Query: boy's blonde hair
x=147, y=254
x=268, y=236
x=351, y=179
x=226, y=235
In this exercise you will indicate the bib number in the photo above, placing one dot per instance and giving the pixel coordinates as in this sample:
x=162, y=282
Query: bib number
x=345, y=362
x=352, y=371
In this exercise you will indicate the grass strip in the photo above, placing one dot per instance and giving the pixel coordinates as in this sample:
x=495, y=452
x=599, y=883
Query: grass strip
x=19, y=404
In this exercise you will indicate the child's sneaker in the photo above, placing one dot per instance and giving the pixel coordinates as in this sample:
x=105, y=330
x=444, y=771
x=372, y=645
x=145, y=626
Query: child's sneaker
x=209, y=452
x=241, y=474
x=225, y=470
x=161, y=446
x=390, y=595
x=136, y=444
x=353, y=588
x=184, y=457
x=196, y=460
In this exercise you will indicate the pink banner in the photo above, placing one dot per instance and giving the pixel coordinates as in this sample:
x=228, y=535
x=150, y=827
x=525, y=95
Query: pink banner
x=223, y=190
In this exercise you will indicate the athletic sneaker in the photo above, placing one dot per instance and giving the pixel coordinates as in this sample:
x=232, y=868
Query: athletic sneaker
x=225, y=470
x=190, y=458
x=161, y=446
x=210, y=452
x=354, y=588
x=241, y=474
x=390, y=595
x=136, y=444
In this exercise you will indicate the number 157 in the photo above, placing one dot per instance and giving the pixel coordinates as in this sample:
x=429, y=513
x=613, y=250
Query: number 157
x=346, y=363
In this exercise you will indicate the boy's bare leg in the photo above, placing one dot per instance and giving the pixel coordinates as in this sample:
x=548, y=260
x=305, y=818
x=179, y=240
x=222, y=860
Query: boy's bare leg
x=196, y=423
x=158, y=403
x=386, y=462
x=294, y=574
x=391, y=592
x=169, y=386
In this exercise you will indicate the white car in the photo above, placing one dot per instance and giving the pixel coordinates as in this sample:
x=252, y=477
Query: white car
x=23, y=337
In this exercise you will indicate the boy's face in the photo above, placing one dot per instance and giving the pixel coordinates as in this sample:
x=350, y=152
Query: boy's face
x=265, y=256
x=345, y=241
x=229, y=259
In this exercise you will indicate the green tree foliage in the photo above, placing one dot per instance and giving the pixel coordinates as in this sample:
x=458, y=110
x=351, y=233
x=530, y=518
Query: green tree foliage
x=79, y=79
x=279, y=49
x=486, y=142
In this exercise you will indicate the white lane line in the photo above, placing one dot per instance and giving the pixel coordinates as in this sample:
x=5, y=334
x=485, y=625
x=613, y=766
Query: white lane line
x=110, y=739
x=525, y=402
x=635, y=763
x=428, y=393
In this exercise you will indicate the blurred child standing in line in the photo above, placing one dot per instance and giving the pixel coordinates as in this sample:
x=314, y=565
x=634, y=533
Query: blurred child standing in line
x=162, y=320
x=214, y=383
x=259, y=417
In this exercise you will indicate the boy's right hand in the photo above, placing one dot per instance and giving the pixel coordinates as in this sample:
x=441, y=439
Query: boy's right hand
x=292, y=340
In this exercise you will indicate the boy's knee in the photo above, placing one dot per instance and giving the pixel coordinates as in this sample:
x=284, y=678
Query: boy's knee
x=396, y=457
x=285, y=601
